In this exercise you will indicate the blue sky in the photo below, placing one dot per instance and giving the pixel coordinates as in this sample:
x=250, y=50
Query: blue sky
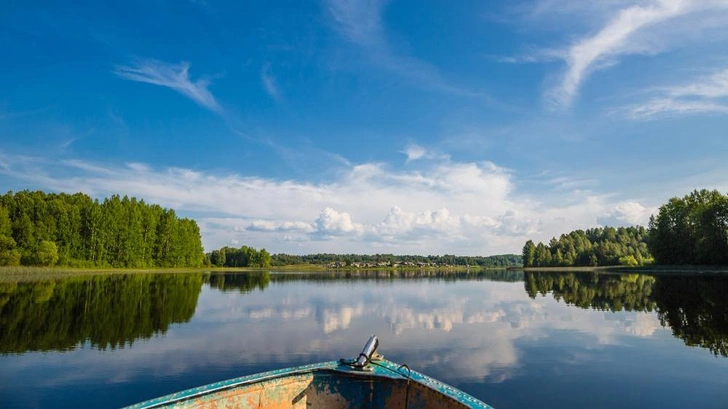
x=370, y=126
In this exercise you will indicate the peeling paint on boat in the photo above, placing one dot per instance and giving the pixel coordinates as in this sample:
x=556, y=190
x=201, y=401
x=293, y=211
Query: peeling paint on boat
x=383, y=384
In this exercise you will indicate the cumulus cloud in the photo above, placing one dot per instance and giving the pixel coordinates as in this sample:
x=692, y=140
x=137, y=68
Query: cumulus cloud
x=627, y=214
x=333, y=223
x=173, y=76
x=443, y=207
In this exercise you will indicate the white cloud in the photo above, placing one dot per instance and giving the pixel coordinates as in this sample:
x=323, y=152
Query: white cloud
x=414, y=152
x=613, y=39
x=333, y=223
x=274, y=226
x=359, y=20
x=618, y=29
x=269, y=83
x=706, y=95
x=627, y=214
x=174, y=76
x=444, y=207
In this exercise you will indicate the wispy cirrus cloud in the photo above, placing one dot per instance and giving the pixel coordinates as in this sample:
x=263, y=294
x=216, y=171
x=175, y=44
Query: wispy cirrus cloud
x=617, y=29
x=360, y=22
x=173, y=76
x=269, y=83
x=705, y=95
x=613, y=39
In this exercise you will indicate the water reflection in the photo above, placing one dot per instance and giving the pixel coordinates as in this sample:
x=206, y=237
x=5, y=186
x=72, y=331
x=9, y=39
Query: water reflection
x=694, y=307
x=106, y=311
x=480, y=332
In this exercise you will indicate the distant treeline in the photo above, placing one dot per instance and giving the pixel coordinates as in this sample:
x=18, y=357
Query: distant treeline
x=250, y=257
x=505, y=260
x=691, y=230
x=47, y=229
x=594, y=247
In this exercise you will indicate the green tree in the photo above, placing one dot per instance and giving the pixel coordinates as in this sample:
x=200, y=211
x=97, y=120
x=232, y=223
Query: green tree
x=529, y=254
x=691, y=230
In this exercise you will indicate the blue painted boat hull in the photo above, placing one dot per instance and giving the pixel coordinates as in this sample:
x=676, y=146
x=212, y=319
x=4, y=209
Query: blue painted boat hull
x=382, y=384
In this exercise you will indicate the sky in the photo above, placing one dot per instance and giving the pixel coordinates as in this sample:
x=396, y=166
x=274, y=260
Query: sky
x=354, y=126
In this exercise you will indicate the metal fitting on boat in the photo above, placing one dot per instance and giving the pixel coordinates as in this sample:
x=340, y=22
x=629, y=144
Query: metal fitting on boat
x=366, y=354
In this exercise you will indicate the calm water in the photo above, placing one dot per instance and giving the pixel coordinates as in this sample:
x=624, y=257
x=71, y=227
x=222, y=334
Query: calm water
x=513, y=340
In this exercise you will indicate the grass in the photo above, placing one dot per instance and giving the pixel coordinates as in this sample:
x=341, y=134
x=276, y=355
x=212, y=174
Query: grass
x=29, y=273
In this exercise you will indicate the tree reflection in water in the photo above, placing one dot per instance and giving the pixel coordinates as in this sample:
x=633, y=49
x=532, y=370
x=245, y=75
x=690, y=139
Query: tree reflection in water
x=694, y=307
x=112, y=311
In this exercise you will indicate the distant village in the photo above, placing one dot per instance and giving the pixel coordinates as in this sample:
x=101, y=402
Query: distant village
x=404, y=264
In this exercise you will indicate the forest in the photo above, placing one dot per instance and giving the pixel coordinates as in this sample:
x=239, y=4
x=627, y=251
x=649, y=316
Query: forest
x=46, y=229
x=691, y=230
x=592, y=247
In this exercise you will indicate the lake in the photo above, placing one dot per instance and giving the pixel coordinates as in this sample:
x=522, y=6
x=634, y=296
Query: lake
x=512, y=339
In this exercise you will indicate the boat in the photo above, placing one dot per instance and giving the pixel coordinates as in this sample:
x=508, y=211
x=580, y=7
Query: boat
x=367, y=381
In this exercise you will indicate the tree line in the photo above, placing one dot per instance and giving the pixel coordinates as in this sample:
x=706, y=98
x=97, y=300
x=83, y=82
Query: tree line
x=691, y=230
x=47, y=229
x=592, y=247
x=688, y=230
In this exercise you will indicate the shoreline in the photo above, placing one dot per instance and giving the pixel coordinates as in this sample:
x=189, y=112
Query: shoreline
x=651, y=269
x=30, y=273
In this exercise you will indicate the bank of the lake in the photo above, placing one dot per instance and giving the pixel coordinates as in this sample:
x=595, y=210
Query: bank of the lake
x=648, y=269
x=30, y=273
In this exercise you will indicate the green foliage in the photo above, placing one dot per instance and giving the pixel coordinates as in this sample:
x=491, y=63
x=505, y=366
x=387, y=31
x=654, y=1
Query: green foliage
x=691, y=230
x=9, y=256
x=243, y=257
x=629, y=261
x=44, y=254
x=74, y=230
x=594, y=247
